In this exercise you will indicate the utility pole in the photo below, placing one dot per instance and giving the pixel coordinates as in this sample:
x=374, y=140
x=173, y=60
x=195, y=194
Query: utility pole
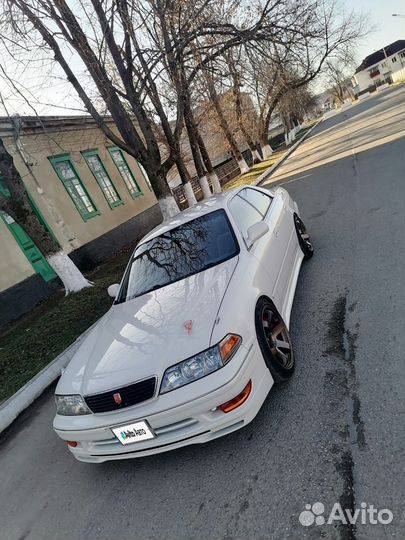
x=386, y=61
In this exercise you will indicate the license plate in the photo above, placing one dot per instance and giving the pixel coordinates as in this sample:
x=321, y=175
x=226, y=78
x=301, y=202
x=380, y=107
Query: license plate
x=132, y=433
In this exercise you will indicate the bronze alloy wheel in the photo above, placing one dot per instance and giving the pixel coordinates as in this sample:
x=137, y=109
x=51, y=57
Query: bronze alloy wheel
x=274, y=340
x=277, y=337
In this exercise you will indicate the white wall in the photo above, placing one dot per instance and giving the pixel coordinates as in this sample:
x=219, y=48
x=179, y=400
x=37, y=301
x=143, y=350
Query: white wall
x=385, y=67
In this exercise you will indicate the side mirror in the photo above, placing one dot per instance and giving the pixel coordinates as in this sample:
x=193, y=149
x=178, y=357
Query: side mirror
x=113, y=290
x=256, y=231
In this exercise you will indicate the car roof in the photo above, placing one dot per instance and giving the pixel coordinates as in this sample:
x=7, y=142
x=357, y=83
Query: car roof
x=216, y=202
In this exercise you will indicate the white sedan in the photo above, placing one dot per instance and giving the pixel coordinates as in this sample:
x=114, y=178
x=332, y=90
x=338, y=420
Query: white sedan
x=197, y=333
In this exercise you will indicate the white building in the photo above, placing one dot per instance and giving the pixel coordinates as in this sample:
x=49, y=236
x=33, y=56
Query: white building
x=386, y=65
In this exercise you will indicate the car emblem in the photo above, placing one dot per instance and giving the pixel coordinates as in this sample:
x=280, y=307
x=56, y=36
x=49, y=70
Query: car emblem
x=117, y=398
x=188, y=325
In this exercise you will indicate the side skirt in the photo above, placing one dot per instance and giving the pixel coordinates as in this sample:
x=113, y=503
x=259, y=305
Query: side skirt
x=289, y=299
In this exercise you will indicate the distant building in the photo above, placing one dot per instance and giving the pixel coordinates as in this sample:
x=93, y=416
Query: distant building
x=386, y=65
x=92, y=196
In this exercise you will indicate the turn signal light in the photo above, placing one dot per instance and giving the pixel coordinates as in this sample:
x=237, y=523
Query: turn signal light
x=73, y=444
x=237, y=401
x=228, y=346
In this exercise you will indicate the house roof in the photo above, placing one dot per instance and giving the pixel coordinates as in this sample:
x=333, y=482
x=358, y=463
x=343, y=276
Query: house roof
x=379, y=55
x=31, y=124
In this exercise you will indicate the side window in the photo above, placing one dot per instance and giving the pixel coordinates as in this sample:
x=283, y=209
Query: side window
x=244, y=214
x=64, y=168
x=259, y=200
x=126, y=173
x=103, y=179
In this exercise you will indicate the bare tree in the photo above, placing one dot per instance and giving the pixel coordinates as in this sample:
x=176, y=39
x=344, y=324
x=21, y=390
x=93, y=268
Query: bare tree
x=292, y=108
x=318, y=32
x=139, y=60
x=103, y=38
x=223, y=123
x=235, y=70
x=337, y=76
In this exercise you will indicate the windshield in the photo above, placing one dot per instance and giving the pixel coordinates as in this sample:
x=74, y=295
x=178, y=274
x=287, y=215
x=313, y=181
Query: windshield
x=181, y=252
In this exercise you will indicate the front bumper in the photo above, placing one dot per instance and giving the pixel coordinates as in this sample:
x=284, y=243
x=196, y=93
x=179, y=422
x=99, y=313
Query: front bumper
x=189, y=423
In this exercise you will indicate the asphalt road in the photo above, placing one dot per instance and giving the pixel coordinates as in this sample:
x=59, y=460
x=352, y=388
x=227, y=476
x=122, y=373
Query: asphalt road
x=334, y=433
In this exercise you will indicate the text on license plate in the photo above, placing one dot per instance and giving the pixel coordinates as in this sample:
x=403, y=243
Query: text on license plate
x=140, y=431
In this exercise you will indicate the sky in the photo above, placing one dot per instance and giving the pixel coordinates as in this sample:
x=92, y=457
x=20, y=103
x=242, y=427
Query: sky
x=37, y=92
x=387, y=28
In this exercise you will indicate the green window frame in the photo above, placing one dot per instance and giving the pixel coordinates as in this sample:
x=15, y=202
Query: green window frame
x=67, y=174
x=103, y=179
x=120, y=162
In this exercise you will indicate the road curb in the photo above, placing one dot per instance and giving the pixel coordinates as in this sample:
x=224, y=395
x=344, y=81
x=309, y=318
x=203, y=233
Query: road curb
x=267, y=173
x=18, y=402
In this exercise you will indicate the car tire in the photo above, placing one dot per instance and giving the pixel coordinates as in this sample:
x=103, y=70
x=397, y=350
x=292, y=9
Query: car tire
x=303, y=237
x=274, y=341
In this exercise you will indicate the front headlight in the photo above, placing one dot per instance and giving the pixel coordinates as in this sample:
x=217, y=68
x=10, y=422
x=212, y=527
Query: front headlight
x=71, y=405
x=200, y=365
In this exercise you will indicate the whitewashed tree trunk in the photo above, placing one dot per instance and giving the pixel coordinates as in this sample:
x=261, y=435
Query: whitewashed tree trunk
x=256, y=156
x=189, y=193
x=205, y=187
x=286, y=138
x=216, y=184
x=72, y=279
x=168, y=207
x=267, y=151
x=243, y=166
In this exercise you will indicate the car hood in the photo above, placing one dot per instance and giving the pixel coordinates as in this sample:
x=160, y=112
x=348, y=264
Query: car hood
x=142, y=337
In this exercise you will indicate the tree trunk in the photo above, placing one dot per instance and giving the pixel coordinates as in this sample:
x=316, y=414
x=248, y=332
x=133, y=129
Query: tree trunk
x=195, y=149
x=189, y=193
x=252, y=147
x=71, y=277
x=167, y=203
x=267, y=150
x=225, y=127
x=205, y=187
x=238, y=107
x=216, y=185
x=257, y=158
x=186, y=181
x=168, y=206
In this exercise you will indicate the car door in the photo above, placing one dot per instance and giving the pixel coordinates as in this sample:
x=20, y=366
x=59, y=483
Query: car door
x=247, y=209
x=275, y=253
x=280, y=220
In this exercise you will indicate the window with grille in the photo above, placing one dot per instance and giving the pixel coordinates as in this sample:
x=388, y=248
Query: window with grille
x=102, y=177
x=126, y=173
x=66, y=172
